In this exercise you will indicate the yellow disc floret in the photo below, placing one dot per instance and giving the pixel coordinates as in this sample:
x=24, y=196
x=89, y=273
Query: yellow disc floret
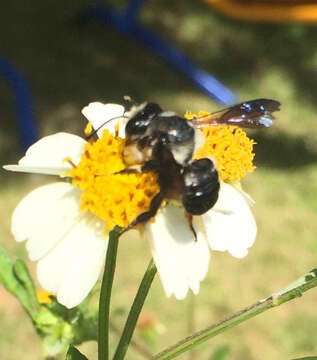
x=44, y=296
x=88, y=129
x=116, y=198
x=230, y=147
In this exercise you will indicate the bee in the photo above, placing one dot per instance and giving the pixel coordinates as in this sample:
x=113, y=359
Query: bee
x=164, y=142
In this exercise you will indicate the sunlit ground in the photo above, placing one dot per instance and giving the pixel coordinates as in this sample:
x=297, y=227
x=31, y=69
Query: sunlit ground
x=69, y=65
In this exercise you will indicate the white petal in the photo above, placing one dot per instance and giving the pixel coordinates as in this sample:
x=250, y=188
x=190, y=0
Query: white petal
x=230, y=225
x=182, y=262
x=106, y=116
x=35, y=170
x=68, y=242
x=72, y=268
x=44, y=216
x=246, y=196
x=46, y=155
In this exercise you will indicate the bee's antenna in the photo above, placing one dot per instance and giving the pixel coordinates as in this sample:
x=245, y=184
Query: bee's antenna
x=96, y=130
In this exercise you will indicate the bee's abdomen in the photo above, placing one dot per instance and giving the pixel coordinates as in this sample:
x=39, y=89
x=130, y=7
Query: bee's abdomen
x=201, y=186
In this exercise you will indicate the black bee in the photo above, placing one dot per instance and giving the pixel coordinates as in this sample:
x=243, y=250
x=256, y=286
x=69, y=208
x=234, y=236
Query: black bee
x=164, y=142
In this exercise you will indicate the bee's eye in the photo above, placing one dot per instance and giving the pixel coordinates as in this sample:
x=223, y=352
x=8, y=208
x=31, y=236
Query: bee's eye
x=135, y=126
x=149, y=111
x=138, y=124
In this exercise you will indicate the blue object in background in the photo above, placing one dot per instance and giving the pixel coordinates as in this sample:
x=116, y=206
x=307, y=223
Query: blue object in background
x=125, y=21
x=23, y=102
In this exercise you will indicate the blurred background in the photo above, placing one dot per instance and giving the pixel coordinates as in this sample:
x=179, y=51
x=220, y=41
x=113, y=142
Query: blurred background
x=70, y=61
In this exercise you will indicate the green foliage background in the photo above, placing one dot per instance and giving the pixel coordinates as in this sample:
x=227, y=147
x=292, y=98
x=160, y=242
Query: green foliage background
x=69, y=65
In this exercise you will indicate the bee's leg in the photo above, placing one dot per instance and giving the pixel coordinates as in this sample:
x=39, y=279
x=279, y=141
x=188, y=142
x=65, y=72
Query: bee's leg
x=135, y=169
x=147, y=215
x=150, y=165
x=189, y=218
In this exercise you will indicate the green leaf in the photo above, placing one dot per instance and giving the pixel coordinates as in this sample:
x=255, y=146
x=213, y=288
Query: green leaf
x=7, y=278
x=16, y=279
x=22, y=273
x=221, y=353
x=74, y=354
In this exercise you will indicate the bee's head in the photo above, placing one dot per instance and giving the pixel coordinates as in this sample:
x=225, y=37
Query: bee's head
x=140, y=117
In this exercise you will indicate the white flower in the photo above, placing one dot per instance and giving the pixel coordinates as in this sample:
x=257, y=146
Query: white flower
x=69, y=245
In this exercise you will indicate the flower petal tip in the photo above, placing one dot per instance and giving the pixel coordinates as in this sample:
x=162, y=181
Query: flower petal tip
x=239, y=253
x=97, y=111
x=69, y=302
x=47, y=155
x=232, y=226
x=100, y=114
x=8, y=167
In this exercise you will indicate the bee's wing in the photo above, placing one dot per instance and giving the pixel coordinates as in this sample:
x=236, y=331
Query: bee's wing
x=250, y=114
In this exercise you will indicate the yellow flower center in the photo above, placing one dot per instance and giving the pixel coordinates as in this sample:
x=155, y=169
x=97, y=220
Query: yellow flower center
x=116, y=198
x=229, y=146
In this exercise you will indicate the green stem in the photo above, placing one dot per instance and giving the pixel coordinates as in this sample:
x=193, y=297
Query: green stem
x=292, y=291
x=105, y=294
x=135, y=312
x=192, y=321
